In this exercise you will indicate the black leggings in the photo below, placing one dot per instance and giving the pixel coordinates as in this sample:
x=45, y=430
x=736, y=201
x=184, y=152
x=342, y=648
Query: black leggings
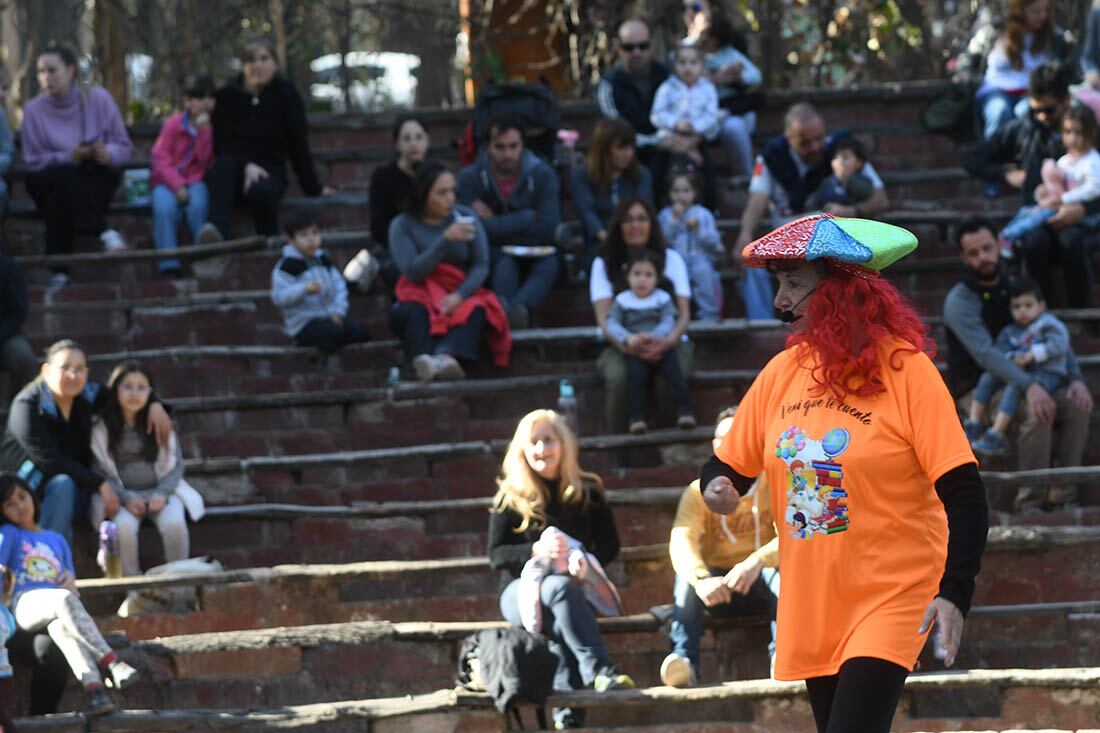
x=861, y=698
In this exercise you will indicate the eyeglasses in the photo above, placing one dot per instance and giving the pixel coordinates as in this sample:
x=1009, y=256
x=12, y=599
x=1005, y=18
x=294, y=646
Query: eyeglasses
x=632, y=47
x=72, y=371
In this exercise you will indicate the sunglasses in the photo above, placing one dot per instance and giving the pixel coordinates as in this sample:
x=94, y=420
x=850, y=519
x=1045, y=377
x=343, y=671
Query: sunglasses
x=1046, y=111
x=632, y=47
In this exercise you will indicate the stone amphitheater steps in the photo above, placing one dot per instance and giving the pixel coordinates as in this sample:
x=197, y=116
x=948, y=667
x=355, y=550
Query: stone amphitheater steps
x=1025, y=564
x=979, y=699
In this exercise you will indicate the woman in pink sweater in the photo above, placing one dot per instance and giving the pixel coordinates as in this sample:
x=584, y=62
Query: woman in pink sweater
x=182, y=154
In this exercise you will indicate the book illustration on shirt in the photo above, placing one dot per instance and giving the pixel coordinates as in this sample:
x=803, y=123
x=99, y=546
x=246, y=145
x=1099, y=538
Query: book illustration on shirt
x=817, y=502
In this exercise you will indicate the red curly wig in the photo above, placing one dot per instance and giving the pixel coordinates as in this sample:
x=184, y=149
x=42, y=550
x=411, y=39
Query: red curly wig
x=847, y=318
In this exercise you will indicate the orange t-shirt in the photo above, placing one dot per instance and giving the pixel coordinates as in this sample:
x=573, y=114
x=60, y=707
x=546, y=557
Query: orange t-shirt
x=862, y=533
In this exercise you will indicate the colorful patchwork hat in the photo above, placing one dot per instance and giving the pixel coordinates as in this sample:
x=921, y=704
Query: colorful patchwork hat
x=859, y=246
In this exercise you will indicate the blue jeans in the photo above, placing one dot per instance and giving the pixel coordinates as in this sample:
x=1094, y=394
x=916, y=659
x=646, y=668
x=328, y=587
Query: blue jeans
x=166, y=217
x=996, y=107
x=524, y=281
x=756, y=291
x=569, y=625
x=1027, y=219
x=988, y=384
x=706, y=286
x=61, y=500
x=688, y=613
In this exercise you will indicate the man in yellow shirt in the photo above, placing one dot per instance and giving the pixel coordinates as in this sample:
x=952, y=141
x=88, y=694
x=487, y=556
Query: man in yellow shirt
x=719, y=562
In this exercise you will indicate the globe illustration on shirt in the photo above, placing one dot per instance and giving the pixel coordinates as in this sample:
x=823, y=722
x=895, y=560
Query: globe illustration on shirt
x=835, y=442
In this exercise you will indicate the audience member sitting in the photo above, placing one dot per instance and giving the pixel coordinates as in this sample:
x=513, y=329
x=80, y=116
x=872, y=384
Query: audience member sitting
x=737, y=80
x=16, y=355
x=1055, y=425
x=311, y=292
x=628, y=91
x=49, y=671
x=611, y=173
x=182, y=153
x=633, y=227
x=691, y=230
x=687, y=105
x=441, y=247
x=48, y=438
x=1015, y=154
x=515, y=194
x=722, y=567
x=259, y=122
x=644, y=314
x=73, y=143
x=790, y=168
x=1073, y=178
x=146, y=477
x=1028, y=40
x=391, y=184
x=7, y=141
x=849, y=186
x=542, y=485
x=1038, y=342
x=45, y=595
x=1090, y=55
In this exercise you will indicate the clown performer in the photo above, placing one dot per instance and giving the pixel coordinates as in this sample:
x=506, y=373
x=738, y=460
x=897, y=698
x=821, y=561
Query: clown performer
x=885, y=510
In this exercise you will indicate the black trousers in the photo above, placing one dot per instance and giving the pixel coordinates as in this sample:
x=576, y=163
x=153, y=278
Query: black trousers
x=224, y=181
x=328, y=336
x=637, y=376
x=862, y=698
x=50, y=670
x=72, y=199
x=1069, y=247
x=409, y=321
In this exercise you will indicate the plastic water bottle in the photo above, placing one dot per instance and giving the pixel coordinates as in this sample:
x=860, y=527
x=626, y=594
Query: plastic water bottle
x=394, y=377
x=109, y=555
x=567, y=405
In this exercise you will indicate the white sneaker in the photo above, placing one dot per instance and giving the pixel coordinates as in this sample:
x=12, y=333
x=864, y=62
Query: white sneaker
x=121, y=674
x=447, y=367
x=676, y=671
x=59, y=280
x=425, y=367
x=112, y=240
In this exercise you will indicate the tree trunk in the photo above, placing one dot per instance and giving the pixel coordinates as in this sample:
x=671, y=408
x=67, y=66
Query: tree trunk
x=110, y=50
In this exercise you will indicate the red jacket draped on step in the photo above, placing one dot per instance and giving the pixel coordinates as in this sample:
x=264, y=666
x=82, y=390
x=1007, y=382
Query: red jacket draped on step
x=445, y=279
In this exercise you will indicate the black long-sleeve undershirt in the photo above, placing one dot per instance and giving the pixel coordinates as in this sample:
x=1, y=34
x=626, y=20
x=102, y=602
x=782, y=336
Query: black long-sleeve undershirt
x=963, y=495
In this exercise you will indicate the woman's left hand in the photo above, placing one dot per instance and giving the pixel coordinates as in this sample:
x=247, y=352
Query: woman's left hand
x=156, y=503
x=159, y=422
x=950, y=620
x=450, y=302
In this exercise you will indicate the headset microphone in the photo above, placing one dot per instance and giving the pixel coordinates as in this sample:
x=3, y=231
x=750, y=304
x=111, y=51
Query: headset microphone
x=787, y=315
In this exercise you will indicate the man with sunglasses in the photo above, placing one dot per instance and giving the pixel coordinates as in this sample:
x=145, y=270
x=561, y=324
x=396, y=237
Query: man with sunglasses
x=1015, y=155
x=628, y=90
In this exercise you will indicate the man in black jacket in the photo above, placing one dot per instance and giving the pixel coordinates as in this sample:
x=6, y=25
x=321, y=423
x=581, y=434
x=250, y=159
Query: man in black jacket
x=1015, y=155
x=16, y=355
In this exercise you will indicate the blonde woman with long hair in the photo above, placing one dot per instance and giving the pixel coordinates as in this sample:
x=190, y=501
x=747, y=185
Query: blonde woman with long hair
x=542, y=485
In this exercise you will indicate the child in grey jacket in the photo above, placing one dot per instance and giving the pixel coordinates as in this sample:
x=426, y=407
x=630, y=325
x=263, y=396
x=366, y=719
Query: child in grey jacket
x=638, y=316
x=1039, y=343
x=311, y=292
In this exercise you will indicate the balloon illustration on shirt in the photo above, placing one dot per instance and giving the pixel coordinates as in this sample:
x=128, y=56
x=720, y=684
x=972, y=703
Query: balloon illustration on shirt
x=817, y=503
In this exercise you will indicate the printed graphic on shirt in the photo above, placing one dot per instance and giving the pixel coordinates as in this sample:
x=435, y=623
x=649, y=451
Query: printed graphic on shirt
x=40, y=564
x=816, y=500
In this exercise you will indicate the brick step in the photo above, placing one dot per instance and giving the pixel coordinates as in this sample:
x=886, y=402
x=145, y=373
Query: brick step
x=1020, y=567
x=971, y=699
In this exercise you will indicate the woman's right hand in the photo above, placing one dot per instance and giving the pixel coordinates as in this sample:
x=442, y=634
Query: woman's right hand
x=459, y=231
x=111, y=503
x=252, y=174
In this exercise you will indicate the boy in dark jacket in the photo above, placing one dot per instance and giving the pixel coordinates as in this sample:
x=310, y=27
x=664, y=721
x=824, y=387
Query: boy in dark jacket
x=515, y=194
x=311, y=292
